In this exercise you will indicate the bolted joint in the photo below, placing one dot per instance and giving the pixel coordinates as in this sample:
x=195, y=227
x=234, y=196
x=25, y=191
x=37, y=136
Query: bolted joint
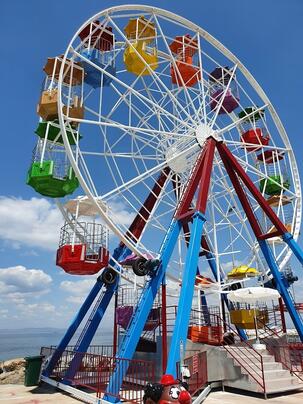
x=200, y=215
x=287, y=236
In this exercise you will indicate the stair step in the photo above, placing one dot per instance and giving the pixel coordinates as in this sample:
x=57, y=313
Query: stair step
x=284, y=389
x=282, y=383
x=266, y=358
x=268, y=374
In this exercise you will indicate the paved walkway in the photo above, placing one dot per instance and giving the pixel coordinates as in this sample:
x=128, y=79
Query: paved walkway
x=18, y=394
x=223, y=397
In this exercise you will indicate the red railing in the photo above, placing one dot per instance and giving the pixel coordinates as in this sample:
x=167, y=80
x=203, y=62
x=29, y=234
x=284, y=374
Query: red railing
x=95, y=371
x=250, y=360
x=197, y=365
x=210, y=318
x=289, y=355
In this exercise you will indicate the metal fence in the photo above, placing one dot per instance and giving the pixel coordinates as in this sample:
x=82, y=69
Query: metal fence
x=95, y=373
x=197, y=365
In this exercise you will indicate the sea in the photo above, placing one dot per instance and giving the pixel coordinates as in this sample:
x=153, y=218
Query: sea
x=20, y=343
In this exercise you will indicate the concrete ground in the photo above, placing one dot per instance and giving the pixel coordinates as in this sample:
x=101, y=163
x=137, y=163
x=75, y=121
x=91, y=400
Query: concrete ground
x=224, y=397
x=18, y=394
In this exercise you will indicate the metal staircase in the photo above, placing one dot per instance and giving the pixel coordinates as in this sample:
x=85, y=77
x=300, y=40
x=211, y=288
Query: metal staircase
x=259, y=372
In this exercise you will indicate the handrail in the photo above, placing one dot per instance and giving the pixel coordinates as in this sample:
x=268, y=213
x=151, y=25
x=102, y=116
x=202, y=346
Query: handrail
x=252, y=351
x=245, y=361
x=273, y=348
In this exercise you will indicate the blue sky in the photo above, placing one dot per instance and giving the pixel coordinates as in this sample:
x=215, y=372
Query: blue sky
x=265, y=35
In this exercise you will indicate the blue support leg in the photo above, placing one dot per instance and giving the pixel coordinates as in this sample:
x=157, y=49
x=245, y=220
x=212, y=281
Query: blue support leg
x=268, y=255
x=293, y=245
x=73, y=328
x=90, y=333
x=79, y=318
x=186, y=295
x=138, y=320
x=205, y=310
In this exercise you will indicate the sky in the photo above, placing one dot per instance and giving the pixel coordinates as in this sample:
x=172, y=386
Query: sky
x=265, y=35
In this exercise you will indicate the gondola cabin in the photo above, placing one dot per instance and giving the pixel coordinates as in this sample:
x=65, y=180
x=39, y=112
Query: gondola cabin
x=244, y=318
x=52, y=132
x=97, y=54
x=50, y=174
x=277, y=180
x=219, y=79
x=183, y=71
x=242, y=272
x=140, y=56
x=206, y=334
x=72, y=84
x=253, y=133
x=97, y=36
x=83, y=248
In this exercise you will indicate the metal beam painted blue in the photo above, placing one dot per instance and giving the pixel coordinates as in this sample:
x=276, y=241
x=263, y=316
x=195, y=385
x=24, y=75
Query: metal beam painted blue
x=90, y=332
x=186, y=295
x=95, y=319
x=138, y=320
x=79, y=318
x=288, y=238
x=268, y=255
x=73, y=328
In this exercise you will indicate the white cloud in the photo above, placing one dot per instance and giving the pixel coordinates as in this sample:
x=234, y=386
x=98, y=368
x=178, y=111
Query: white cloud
x=120, y=213
x=227, y=266
x=77, y=290
x=37, y=309
x=34, y=222
x=17, y=283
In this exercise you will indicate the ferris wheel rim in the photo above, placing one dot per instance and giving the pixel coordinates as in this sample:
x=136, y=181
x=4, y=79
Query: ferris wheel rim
x=253, y=82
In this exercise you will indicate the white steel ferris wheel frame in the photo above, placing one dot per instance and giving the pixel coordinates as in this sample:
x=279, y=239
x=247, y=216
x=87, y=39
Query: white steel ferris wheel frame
x=216, y=44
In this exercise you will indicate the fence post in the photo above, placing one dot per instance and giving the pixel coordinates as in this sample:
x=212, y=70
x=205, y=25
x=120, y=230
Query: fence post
x=263, y=378
x=282, y=315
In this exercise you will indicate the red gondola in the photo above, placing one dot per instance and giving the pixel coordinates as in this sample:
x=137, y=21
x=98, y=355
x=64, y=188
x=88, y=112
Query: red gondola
x=184, y=72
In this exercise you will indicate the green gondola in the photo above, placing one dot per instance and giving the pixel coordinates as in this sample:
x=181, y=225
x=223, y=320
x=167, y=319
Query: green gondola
x=42, y=178
x=274, y=184
x=52, y=129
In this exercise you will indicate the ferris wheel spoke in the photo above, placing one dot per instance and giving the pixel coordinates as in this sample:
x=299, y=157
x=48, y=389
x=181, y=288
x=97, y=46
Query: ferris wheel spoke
x=232, y=198
x=153, y=170
x=145, y=101
x=175, y=65
x=142, y=118
x=119, y=155
x=222, y=97
x=240, y=120
x=152, y=73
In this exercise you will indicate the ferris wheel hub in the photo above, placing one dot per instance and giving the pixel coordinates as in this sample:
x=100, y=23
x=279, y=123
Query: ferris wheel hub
x=203, y=132
x=176, y=159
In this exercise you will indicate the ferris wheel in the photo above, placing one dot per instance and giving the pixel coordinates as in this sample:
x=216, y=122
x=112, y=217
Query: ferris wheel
x=154, y=88
x=180, y=154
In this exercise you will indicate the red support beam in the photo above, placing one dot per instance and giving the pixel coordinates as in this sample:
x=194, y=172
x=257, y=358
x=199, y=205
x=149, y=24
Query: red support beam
x=193, y=182
x=137, y=226
x=239, y=190
x=205, y=176
x=252, y=188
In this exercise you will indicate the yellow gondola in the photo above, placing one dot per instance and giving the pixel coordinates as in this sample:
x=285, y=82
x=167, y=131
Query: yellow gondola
x=245, y=318
x=242, y=272
x=140, y=54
